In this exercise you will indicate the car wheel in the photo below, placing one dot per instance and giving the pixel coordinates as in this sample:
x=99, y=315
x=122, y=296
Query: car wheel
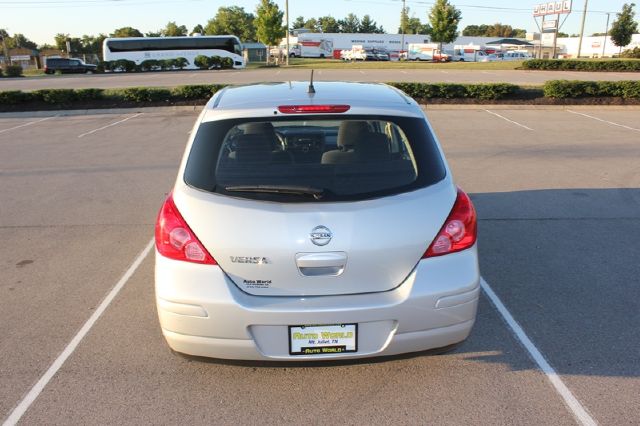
x=89, y=71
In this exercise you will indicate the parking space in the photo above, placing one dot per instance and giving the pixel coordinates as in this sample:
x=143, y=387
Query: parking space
x=559, y=208
x=170, y=79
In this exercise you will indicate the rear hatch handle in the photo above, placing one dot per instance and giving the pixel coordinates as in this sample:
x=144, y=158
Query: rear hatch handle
x=321, y=264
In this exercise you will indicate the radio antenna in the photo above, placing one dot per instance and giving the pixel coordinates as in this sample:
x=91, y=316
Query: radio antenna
x=311, y=89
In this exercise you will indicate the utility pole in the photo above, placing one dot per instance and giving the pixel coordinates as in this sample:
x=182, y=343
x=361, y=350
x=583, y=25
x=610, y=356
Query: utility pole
x=604, y=45
x=7, y=58
x=555, y=37
x=584, y=16
x=286, y=12
x=403, y=21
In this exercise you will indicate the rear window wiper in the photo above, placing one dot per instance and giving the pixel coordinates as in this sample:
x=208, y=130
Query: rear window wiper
x=279, y=189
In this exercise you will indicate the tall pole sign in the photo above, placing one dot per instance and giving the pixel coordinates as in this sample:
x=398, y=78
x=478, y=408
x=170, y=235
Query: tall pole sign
x=550, y=27
x=286, y=12
x=584, y=17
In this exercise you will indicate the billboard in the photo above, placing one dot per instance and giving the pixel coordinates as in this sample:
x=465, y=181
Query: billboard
x=552, y=8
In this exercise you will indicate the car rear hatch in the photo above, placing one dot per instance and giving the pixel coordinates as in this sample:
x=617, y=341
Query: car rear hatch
x=316, y=205
x=274, y=248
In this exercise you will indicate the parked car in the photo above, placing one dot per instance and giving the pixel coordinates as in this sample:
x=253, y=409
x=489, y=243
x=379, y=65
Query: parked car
x=68, y=65
x=314, y=227
x=374, y=54
x=382, y=54
x=516, y=56
x=492, y=57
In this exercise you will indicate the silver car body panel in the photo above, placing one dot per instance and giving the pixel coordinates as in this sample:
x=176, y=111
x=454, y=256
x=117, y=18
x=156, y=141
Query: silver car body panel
x=241, y=309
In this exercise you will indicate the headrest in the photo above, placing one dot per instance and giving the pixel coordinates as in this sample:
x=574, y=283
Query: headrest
x=373, y=146
x=253, y=149
x=350, y=132
x=264, y=127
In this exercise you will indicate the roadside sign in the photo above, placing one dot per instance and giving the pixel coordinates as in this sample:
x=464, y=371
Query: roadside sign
x=549, y=25
x=552, y=8
x=547, y=39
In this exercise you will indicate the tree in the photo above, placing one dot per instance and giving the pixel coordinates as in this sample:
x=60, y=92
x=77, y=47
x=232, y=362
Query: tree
x=562, y=34
x=499, y=30
x=412, y=25
x=16, y=41
x=474, y=30
x=368, y=25
x=269, y=28
x=404, y=21
x=328, y=24
x=350, y=24
x=624, y=27
x=74, y=42
x=127, y=32
x=444, y=19
x=520, y=33
x=20, y=41
x=173, y=30
x=232, y=20
x=495, y=30
x=198, y=29
x=311, y=24
x=92, y=44
x=298, y=23
x=153, y=33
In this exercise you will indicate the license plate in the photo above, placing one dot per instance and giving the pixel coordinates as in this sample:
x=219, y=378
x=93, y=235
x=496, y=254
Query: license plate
x=323, y=339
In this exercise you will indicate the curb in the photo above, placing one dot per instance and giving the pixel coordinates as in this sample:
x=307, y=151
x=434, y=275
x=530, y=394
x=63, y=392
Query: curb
x=97, y=111
x=428, y=107
x=198, y=108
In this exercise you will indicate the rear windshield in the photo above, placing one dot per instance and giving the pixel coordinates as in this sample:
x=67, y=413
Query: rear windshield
x=314, y=159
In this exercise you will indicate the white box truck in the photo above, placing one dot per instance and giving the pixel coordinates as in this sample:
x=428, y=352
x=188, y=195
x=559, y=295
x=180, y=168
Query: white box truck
x=426, y=52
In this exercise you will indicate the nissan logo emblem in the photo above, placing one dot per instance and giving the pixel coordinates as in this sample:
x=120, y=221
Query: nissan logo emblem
x=320, y=235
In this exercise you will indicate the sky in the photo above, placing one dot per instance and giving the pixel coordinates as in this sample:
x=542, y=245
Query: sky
x=40, y=20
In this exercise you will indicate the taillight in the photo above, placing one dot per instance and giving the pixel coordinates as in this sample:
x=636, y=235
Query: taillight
x=318, y=109
x=174, y=238
x=459, y=231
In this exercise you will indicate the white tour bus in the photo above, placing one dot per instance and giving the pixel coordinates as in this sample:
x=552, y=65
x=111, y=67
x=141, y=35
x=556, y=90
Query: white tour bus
x=139, y=49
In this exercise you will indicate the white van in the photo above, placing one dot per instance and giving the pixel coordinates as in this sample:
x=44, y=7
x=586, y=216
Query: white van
x=516, y=55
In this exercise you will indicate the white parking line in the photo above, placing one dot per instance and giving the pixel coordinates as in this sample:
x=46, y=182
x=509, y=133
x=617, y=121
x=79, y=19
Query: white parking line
x=109, y=125
x=27, y=124
x=362, y=72
x=510, y=121
x=444, y=72
x=403, y=72
x=605, y=121
x=578, y=410
x=26, y=402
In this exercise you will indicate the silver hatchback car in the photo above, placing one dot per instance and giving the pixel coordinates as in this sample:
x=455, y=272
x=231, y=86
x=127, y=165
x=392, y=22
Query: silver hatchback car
x=314, y=223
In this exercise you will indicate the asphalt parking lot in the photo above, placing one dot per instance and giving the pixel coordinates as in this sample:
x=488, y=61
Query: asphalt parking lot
x=170, y=79
x=558, y=197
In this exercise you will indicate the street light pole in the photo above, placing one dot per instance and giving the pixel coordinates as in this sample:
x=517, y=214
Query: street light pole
x=403, y=20
x=606, y=31
x=584, y=16
x=286, y=12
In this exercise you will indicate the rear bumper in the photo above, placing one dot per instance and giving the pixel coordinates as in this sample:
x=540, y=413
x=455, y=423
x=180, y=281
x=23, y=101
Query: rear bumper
x=203, y=313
